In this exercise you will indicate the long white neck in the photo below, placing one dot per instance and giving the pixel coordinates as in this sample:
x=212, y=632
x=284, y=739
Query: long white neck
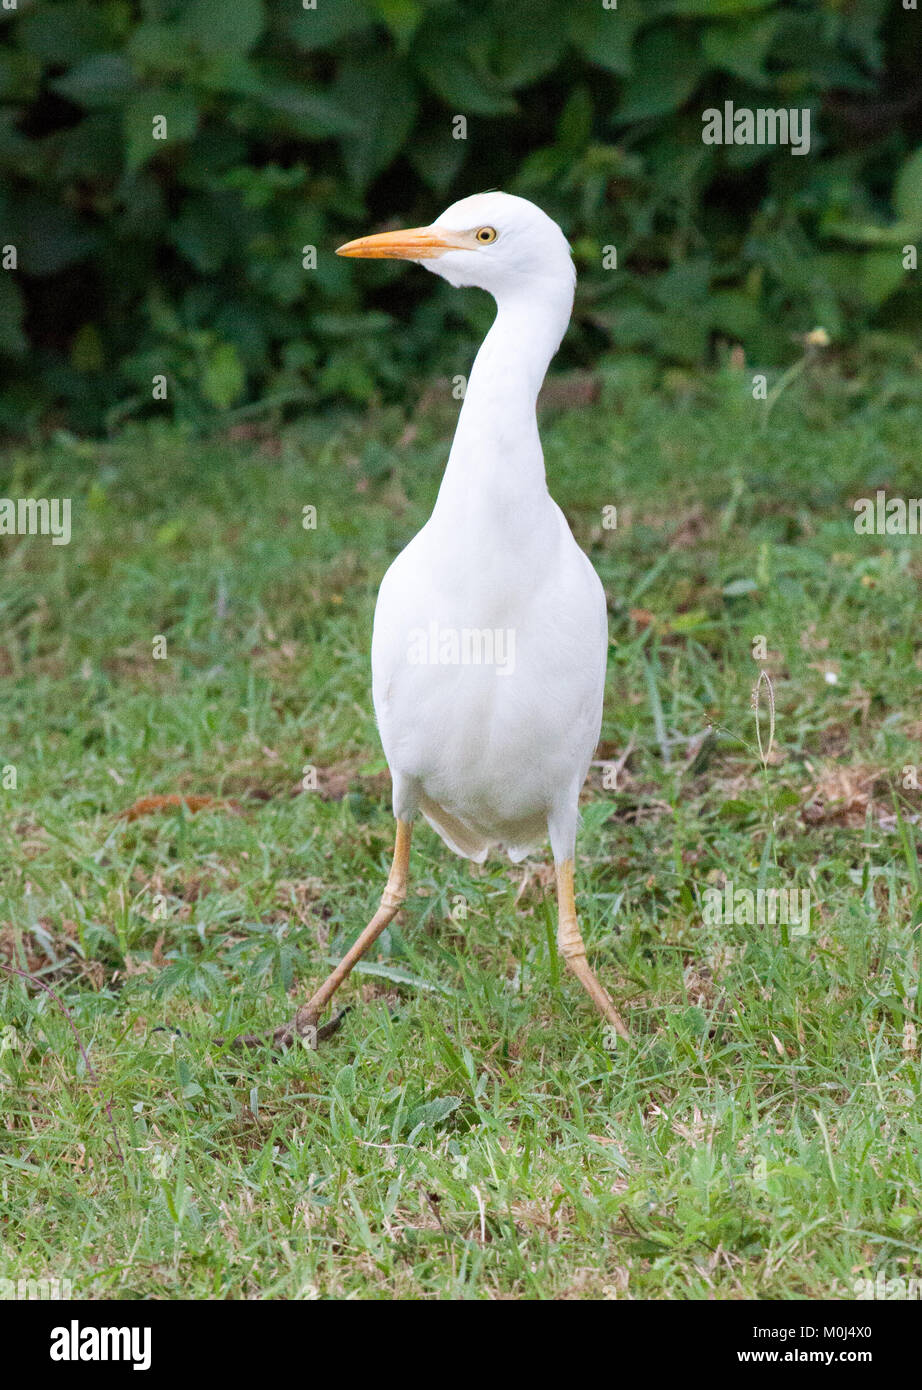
x=496, y=466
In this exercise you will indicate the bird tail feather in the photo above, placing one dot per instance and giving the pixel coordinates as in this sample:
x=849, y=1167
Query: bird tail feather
x=457, y=836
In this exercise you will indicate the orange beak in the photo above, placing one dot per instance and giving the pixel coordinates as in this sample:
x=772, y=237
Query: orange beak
x=411, y=244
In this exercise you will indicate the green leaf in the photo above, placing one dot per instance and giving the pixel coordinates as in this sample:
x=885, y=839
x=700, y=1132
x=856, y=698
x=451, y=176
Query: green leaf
x=453, y=78
x=689, y=622
x=517, y=63
x=432, y=1112
x=383, y=92
x=907, y=191
x=737, y=587
x=179, y=111
x=86, y=352
x=232, y=73
x=667, y=69
x=399, y=977
x=220, y=26
x=170, y=531
x=98, y=80
x=344, y=1082
x=64, y=33
x=51, y=237
x=694, y=1020
x=605, y=37
x=91, y=150
x=161, y=49
x=734, y=313
x=402, y=18
x=451, y=59
x=314, y=114
x=20, y=76
x=574, y=129
x=325, y=26
x=881, y=274
x=741, y=49
x=223, y=379
x=12, y=339
x=717, y=9
x=435, y=156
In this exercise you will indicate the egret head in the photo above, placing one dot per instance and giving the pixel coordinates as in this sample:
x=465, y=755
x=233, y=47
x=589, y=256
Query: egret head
x=495, y=241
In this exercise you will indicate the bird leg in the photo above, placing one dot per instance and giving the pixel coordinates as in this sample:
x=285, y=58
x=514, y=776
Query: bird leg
x=395, y=892
x=573, y=950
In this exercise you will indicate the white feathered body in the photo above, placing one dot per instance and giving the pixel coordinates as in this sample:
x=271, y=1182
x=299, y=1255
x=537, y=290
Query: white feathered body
x=489, y=751
x=496, y=753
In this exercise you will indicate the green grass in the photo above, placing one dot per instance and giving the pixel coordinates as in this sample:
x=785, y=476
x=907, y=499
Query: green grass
x=466, y=1133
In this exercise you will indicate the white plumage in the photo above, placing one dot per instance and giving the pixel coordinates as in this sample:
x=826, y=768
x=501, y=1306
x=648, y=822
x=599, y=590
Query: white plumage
x=496, y=754
x=490, y=634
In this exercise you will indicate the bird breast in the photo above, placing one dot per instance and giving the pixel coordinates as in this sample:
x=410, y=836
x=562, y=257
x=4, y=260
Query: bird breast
x=488, y=668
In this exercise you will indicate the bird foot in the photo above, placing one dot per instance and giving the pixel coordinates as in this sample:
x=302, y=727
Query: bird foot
x=302, y=1028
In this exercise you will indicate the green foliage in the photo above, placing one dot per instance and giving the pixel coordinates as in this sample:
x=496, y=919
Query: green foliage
x=281, y=128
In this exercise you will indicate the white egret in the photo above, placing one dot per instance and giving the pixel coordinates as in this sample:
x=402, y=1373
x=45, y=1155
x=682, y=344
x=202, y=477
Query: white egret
x=490, y=632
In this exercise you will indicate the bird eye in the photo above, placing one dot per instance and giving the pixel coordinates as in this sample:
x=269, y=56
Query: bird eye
x=486, y=234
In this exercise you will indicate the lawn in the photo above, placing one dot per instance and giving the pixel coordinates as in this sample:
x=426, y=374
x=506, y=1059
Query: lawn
x=469, y=1132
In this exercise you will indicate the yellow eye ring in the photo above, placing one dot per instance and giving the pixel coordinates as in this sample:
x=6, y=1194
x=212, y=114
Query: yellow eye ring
x=485, y=235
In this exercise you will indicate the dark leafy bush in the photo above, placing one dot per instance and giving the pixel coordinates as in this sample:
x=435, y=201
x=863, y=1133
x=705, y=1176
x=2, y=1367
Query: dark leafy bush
x=288, y=128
